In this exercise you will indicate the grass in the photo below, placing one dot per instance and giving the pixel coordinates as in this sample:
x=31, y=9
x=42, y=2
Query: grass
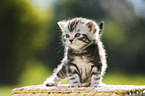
x=6, y=90
x=35, y=74
x=124, y=79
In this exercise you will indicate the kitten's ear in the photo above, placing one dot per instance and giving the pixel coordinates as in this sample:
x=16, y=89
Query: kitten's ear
x=61, y=24
x=90, y=25
x=101, y=27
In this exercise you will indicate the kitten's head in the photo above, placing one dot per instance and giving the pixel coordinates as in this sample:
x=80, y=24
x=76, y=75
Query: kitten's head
x=78, y=33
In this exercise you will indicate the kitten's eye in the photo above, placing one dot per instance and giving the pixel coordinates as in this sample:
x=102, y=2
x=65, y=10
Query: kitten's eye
x=78, y=35
x=67, y=35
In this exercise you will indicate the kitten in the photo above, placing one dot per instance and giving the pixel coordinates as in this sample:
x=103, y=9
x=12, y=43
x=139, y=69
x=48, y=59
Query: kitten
x=84, y=59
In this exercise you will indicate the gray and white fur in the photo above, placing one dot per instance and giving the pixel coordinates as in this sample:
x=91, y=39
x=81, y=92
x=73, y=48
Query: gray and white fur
x=84, y=59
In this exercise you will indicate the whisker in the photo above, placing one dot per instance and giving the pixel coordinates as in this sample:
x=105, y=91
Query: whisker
x=61, y=47
x=61, y=44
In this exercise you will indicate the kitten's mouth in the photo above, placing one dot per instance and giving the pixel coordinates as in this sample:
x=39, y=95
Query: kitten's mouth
x=77, y=45
x=80, y=45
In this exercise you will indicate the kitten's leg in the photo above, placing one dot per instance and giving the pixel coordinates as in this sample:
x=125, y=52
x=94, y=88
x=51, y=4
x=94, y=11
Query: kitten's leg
x=74, y=76
x=96, y=77
x=58, y=75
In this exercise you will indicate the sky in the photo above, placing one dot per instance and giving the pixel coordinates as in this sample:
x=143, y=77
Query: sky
x=139, y=7
x=41, y=4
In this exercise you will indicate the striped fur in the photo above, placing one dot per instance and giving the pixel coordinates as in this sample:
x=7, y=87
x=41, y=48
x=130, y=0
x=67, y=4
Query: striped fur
x=84, y=58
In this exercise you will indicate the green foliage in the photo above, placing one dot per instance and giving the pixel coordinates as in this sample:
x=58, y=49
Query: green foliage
x=24, y=35
x=112, y=38
x=35, y=73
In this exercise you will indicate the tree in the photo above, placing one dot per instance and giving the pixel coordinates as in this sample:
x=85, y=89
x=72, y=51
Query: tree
x=23, y=35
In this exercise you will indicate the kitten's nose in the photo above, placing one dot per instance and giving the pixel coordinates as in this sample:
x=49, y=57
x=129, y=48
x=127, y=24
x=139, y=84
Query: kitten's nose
x=71, y=40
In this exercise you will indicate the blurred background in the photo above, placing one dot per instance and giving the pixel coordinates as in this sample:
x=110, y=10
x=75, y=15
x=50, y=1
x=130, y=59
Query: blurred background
x=30, y=39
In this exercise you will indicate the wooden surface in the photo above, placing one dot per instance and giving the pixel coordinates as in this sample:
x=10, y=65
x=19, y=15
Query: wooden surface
x=107, y=90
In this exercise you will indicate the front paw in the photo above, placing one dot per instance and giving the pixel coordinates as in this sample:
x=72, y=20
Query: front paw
x=96, y=85
x=75, y=85
x=49, y=82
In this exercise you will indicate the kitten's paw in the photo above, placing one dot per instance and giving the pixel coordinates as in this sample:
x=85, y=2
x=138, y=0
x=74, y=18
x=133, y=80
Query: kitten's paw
x=75, y=85
x=49, y=82
x=97, y=85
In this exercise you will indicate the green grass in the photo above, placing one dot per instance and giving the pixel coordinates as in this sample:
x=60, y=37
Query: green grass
x=124, y=79
x=35, y=74
x=6, y=90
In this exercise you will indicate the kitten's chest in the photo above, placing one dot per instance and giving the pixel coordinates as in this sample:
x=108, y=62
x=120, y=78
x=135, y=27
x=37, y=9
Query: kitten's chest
x=84, y=65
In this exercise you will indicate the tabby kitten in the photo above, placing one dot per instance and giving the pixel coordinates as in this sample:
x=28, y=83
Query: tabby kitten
x=84, y=59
